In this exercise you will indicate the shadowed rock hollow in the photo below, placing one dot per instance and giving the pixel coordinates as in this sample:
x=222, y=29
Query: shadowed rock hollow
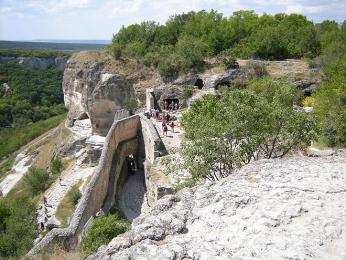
x=271, y=209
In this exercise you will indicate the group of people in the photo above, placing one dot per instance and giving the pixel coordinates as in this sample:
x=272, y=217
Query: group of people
x=166, y=118
x=171, y=106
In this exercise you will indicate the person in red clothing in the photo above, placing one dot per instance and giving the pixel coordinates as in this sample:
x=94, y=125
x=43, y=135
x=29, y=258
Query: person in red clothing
x=172, y=126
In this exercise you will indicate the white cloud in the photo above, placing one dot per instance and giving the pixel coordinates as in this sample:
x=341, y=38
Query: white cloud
x=98, y=19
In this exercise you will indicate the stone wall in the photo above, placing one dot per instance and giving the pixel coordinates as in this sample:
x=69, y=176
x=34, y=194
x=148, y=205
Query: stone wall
x=126, y=136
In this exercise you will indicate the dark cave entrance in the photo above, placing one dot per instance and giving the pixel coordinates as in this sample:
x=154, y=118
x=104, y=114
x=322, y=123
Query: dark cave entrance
x=170, y=103
x=199, y=83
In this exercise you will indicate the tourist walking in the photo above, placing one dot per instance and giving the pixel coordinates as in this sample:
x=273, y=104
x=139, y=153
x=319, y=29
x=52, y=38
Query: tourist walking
x=172, y=126
x=165, y=130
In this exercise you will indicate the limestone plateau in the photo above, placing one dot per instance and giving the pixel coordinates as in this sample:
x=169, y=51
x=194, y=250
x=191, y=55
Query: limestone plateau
x=290, y=208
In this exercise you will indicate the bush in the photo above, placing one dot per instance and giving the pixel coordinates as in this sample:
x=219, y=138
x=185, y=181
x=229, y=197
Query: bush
x=37, y=180
x=115, y=49
x=308, y=102
x=330, y=103
x=74, y=195
x=102, y=231
x=260, y=70
x=56, y=166
x=17, y=227
x=259, y=122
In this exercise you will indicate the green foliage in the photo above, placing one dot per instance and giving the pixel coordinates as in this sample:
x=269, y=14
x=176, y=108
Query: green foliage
x=330, y=103
x=34, y=94
x=102, y=231
x=259, y=69
x=74, y=195
x=33, y=53
x=37, y=180
x=308, y=102
x=6, y=166
x=17, y=226
x=186, y=40
x=56, y=166
x=257, y=122
x=13, y=138
x=115, y=50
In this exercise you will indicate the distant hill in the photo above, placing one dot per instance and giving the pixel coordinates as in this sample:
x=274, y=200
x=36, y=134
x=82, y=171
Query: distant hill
x=74, y=41
x=56, y=46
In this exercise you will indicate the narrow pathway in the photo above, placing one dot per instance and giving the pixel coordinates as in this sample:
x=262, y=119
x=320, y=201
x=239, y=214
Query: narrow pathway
x=58, y=190
x=132, y=195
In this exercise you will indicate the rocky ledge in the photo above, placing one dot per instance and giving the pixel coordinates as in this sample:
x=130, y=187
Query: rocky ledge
x=272, y=209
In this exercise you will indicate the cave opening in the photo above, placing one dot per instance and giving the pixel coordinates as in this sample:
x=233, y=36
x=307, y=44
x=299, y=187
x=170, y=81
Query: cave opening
x=170, y=103
x=199, y=83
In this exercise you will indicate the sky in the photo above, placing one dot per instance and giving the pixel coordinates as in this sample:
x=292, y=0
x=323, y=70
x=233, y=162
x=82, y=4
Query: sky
x=99, y=19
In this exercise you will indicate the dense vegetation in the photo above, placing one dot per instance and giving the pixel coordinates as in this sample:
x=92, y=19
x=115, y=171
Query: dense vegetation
x=102, y=231
x=227, y=131
x=28, y=104
x=33, y=53
x=186, y=40
x=330, y=104
x=17, y=226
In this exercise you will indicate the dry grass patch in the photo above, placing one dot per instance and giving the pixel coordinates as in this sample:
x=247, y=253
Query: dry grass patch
x=68, y=204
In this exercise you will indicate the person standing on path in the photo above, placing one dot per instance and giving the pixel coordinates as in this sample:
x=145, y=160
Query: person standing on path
x=172, y=126
x=165, y=130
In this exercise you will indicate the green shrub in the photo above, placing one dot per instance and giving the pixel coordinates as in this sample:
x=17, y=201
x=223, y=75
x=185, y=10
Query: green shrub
x=115, y=49
x=17, y=227
x=259, y=122
x=308, y=102
x=102, y=231
x=56, y=166
x=37, y=180
x=259, y=69
x=74, y=195
x=330, y=103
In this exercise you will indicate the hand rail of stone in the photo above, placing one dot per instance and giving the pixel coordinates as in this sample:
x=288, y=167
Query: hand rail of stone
x=94, y=195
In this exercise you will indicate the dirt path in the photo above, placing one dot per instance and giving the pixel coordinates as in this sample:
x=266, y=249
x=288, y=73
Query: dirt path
x=58, y=190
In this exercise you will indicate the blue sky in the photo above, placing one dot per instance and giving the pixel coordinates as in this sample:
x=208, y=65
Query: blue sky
x=99, y=19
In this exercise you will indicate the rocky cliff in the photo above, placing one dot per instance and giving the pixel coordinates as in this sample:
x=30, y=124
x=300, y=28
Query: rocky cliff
x=37, y=63
x=272, y=209
x=97, y=87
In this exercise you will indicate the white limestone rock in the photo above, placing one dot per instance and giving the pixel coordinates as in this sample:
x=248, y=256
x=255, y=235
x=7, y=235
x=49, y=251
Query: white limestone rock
x=272, y=209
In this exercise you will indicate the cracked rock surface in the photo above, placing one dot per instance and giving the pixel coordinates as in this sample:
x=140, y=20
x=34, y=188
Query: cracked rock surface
x=292, y=208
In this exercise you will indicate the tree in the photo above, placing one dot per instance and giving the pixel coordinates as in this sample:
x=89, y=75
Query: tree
x=259, y=122
x=102, y=231
x=330, y=103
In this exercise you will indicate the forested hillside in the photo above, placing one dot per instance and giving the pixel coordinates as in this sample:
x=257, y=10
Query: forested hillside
x=27, y=96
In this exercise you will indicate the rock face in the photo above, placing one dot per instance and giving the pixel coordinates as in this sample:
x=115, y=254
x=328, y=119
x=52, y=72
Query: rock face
x=271, y=209
x=37, y=63
x=98, y=87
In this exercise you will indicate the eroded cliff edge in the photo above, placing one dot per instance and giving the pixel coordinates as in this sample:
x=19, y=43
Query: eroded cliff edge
x=272, y=209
